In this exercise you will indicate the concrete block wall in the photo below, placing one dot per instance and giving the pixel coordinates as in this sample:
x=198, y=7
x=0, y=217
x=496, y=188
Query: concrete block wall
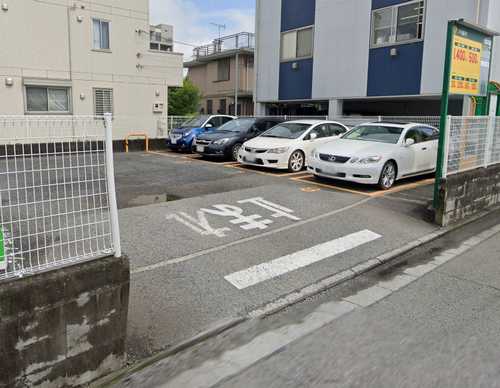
x=65, y=327
x=465, y=194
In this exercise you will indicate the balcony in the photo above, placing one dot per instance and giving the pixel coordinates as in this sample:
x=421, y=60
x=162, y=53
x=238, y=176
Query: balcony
x=241, y=41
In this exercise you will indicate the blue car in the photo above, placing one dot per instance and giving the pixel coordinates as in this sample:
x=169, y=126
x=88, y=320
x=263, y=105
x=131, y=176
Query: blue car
x=181, y=139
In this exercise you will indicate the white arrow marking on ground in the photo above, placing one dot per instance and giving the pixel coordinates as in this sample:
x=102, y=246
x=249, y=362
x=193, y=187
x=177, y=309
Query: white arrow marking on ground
x=280, y=266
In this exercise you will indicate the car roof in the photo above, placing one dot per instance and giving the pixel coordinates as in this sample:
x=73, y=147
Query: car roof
x=312, y=122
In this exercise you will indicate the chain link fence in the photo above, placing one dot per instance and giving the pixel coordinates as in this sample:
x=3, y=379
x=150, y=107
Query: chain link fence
x=471, y=142
x=57, y=200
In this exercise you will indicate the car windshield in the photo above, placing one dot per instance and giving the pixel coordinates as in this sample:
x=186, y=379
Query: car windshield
x=376, y=133
x=195, y=122
x=238, y=125
x=287, y=131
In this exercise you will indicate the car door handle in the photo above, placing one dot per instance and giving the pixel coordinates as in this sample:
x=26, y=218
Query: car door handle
x=424, y=149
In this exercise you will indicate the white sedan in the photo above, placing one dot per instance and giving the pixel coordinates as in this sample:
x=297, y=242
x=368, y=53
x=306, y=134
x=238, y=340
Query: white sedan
x=288, y=145
x=378, y=153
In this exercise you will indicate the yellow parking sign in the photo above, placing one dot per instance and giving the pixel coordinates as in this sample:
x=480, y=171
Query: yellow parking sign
x=465, y=66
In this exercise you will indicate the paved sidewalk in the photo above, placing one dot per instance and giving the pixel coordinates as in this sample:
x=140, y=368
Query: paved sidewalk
x=430, y=320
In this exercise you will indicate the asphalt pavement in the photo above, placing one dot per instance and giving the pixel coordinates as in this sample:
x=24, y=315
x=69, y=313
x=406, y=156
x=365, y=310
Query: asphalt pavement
x=428, y=319
x=232, y=240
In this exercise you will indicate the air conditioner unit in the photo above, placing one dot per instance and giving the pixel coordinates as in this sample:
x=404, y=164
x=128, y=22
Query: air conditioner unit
x=158, y=107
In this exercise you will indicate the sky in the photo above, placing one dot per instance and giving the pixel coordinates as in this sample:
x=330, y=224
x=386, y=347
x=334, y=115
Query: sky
x=191, y=19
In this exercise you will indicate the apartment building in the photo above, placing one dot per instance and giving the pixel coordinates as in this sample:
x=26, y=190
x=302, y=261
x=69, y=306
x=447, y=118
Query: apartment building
x=224, y=72
x=162, y=38
x=63, y=57
x=360, y=57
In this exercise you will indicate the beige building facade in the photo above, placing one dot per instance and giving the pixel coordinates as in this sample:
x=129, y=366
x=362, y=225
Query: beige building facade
x=70, y=57
x=224, y=72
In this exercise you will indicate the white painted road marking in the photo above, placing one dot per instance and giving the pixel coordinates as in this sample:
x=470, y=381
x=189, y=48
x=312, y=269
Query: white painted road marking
x=195, y=255
x=280, y=266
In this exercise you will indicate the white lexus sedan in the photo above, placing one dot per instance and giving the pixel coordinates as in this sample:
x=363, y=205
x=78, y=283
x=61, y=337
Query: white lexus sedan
x=378, y=153
x=288, y=145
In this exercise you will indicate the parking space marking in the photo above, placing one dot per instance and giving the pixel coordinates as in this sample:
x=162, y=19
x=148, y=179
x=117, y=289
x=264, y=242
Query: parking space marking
x=274, y=173
x=292, y=262
x=165, y=154
x=310, y=179
x=195, y=255
x=379, y=193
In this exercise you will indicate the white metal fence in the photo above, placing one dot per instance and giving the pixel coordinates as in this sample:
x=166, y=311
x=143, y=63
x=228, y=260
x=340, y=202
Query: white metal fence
x=471, y=142
x=57, y=199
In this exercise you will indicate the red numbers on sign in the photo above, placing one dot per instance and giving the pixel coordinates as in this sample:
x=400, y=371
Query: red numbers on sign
x=463, y=56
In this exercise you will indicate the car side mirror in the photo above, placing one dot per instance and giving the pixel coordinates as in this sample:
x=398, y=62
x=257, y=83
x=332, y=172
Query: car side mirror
x=313, y=136
x=409, y=142
x=208, y=126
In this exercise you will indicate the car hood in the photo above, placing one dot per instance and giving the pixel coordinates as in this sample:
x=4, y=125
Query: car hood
x=269, y=142
x=356, y=148
x=184, y=130
x=216, y=135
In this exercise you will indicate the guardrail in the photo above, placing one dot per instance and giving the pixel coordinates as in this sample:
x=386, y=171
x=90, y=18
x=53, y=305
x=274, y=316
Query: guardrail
x=57, y=193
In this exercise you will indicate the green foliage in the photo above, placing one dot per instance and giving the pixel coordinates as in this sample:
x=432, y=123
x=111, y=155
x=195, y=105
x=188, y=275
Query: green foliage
x=184, y=101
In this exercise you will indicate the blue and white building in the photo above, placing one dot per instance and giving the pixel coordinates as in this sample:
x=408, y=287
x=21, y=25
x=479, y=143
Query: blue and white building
x=359, y=57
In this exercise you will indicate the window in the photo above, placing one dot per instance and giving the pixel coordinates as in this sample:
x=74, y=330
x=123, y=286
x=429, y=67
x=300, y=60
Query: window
x=210, y=107
x=297, y=44
x=222, y=107
x=335, y=129
x=101, y=34
x=154, y=46
x=41, y=99
x=320, y=131
x=398, y=24
x=223, y=69
x=103, y=101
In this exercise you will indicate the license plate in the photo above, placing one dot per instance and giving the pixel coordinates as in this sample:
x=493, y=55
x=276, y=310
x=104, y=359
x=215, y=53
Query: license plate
x=250, y=160
x=173, y=141
x=200, y=148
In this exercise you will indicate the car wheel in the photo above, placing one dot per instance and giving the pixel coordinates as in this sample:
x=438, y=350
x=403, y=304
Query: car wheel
x=296, y=161
x=235, y=151
x=388, y=176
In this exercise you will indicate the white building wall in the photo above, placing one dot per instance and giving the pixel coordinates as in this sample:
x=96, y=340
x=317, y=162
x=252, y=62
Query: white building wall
x=438, y=13
x=340, y=58
x=493, y=23
x=267, y=52
x=46, y=40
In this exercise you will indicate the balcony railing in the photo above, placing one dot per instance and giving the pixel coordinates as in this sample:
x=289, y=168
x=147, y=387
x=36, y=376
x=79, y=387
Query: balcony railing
x=243, y=40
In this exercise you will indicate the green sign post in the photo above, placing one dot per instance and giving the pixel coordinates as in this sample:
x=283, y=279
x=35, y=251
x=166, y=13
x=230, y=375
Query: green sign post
x=3, y=261
x=467, y=69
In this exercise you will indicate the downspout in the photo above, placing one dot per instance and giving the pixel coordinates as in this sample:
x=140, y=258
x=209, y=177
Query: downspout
x=255, y=58
x=478, y=11
x=70, y=63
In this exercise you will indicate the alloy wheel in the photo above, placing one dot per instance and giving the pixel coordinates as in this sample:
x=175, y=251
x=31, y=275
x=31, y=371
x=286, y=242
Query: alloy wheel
x=388, y=176
x=296, y=163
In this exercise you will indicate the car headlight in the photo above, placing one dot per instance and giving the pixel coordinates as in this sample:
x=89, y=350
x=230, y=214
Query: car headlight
x=370, y=159
x=280, y=150
x=221, y=141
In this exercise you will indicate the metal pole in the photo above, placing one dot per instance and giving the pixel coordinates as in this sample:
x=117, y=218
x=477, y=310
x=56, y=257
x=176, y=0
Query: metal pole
x=110, y=175
x=237, y=84
x=444, y=111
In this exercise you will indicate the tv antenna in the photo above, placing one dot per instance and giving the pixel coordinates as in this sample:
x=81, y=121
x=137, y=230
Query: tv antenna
x=220, y=27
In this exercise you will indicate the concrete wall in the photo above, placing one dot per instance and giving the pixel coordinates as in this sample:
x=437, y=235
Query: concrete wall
x=45, y=40
x=468, y=193
x=65, y=327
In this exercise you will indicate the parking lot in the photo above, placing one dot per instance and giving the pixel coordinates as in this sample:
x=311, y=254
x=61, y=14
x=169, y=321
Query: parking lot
x=209, y=241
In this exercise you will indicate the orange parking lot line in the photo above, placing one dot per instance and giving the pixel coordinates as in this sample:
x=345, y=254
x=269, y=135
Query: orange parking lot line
x=166, y=154
x=379, y=193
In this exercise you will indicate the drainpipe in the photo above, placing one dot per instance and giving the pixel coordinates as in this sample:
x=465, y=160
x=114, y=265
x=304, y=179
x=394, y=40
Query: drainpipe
x=237, y=84
x=478, y=11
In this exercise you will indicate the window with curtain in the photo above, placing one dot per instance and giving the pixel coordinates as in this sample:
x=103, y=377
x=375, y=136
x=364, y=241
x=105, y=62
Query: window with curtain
x=297, y=44
x=42, y=99
x=101, y=34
